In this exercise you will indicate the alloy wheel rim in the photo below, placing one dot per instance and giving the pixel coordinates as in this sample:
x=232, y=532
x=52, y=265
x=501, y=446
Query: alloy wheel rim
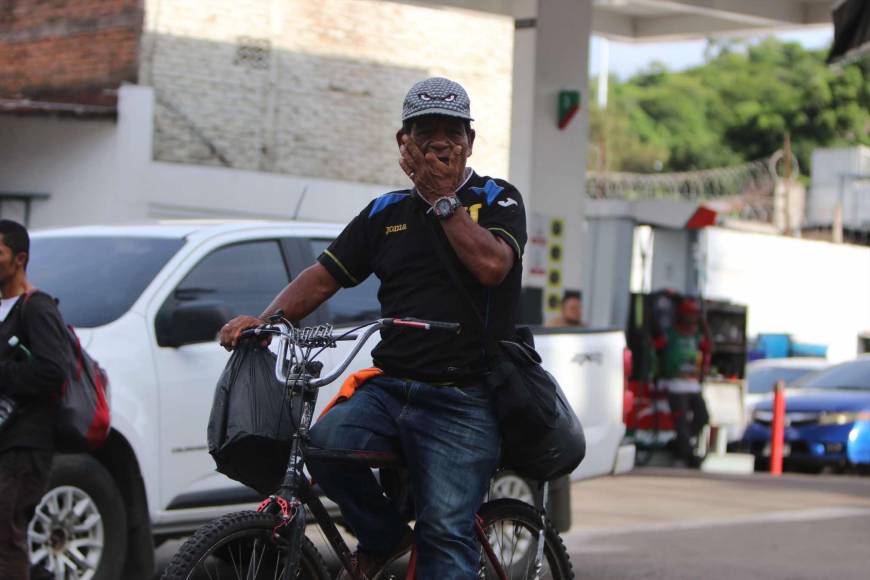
x=66, y=534
x=512, y=486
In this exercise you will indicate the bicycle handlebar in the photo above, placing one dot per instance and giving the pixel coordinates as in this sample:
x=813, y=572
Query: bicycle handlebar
x=422, y=324
x=286, y=335
x=260, y=330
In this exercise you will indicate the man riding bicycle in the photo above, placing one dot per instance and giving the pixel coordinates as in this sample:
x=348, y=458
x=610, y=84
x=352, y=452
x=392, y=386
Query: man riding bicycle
x=430, y=404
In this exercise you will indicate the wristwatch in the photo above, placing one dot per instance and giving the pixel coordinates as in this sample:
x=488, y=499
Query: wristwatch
x=444, y=207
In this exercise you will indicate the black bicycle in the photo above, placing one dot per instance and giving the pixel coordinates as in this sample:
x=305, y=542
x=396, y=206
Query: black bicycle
x=516, y=540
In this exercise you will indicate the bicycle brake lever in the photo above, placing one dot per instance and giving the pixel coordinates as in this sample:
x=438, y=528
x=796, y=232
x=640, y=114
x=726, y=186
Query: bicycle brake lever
x=277, y=317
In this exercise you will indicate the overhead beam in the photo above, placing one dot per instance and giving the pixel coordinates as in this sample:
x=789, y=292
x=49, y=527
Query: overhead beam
x=819, y=13
x=515, y=8
x=689, y=27
x=681, y=19
x=753, y=12
x=613, y=25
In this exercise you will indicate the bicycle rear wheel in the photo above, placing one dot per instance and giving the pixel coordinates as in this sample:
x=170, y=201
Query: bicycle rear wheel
x=513, y=529
x=241, y=546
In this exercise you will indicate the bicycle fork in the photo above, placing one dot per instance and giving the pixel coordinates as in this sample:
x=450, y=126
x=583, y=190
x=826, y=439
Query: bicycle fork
x=539, y=554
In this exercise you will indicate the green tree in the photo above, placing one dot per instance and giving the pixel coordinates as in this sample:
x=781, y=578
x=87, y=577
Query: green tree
x=616, y=145
x=736, y=107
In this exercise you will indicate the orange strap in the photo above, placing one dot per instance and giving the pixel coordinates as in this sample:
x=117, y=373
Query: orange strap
x=351, y=384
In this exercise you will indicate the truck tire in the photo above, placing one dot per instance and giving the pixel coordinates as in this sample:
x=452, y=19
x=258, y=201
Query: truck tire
x=82, y=515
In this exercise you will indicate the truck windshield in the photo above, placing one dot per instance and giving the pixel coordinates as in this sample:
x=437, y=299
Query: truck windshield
x=97, y=279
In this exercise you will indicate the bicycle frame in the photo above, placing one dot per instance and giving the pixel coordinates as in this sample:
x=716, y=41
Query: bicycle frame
x=295, y=490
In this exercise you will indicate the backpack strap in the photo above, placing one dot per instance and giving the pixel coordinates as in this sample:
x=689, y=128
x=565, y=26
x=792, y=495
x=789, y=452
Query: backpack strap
x=28, y=295
x=22, y=302
x=25, y=298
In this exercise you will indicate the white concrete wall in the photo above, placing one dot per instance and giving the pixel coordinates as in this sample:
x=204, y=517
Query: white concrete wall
x=834, y=180
x=670, y=260
x=558, y=156
x=607, y=260
x=74, y=161
x=521, y=114
x=817, y=291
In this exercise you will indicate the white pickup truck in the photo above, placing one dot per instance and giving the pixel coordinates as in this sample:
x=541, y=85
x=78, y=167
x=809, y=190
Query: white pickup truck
x=147, y=302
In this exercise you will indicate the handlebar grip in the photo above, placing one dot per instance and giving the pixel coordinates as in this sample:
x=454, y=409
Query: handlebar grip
x=427, y=324
x=353, y=336
x=256, y=331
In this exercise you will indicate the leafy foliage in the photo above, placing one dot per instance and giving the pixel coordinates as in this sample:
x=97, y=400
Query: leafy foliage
x=736, y=107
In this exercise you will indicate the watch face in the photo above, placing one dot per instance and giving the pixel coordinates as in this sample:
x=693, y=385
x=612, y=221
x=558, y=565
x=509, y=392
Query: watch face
x=443, y=207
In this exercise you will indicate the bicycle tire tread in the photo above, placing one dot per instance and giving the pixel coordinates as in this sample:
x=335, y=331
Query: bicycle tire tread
x=512, y=508
x=206, y=536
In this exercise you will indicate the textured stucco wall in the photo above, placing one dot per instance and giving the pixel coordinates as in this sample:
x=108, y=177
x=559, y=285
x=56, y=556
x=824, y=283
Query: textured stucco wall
x=315, y=88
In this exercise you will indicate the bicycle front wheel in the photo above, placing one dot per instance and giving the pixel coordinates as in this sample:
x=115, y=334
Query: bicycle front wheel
x=241, y=546
x=513, y=529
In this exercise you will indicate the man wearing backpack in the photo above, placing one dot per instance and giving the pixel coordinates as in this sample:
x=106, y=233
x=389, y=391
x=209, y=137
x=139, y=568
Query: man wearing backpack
x=33, y=351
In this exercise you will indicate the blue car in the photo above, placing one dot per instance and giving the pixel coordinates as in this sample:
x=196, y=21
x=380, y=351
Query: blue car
x=827, y=420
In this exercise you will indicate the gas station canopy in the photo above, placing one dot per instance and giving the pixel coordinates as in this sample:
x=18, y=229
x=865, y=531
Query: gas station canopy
x=657, y=20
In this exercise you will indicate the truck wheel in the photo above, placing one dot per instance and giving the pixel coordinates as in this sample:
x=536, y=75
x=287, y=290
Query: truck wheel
x=507, y=484
x=79, y=530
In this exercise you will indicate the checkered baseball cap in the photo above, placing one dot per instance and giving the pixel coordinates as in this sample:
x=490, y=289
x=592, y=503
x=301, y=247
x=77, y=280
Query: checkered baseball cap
x=437, y=96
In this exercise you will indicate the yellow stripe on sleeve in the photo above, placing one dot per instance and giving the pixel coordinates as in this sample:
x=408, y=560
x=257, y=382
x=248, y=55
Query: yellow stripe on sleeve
x=340, y=265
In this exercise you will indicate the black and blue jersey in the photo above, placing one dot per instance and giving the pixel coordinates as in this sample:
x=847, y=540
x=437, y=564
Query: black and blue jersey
x=388, y=239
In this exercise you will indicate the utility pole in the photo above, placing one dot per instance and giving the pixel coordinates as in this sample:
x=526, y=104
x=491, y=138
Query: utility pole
x=787, y=196
x=603, y=80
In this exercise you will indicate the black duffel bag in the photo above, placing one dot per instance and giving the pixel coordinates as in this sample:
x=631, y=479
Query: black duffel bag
x=542, y=438
x=250, y=426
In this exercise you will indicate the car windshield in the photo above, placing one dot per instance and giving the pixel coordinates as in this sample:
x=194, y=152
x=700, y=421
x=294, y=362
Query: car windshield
x=763, y=380
x=97, y=279
x=850, y=375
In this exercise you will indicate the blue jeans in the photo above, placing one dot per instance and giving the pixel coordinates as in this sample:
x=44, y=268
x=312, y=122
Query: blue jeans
x=450, y=441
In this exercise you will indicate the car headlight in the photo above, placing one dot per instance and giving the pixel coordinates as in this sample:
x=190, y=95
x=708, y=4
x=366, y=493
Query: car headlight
x=843, y=418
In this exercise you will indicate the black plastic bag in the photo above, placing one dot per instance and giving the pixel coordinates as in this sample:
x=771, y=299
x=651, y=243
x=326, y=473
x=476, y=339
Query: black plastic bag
x=542, y=438
x=251, y=420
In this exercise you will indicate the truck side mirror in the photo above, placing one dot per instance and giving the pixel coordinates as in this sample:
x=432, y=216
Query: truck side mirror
x=191, y=323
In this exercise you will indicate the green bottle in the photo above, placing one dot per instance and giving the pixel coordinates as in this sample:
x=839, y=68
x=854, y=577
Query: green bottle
x=14, y=342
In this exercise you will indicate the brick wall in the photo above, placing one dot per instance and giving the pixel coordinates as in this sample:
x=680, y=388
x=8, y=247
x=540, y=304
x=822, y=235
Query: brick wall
x=315, y=88
x=68, y=50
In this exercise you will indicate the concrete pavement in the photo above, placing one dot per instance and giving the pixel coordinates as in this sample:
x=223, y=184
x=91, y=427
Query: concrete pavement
x=680, y=524
x=660, y=523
